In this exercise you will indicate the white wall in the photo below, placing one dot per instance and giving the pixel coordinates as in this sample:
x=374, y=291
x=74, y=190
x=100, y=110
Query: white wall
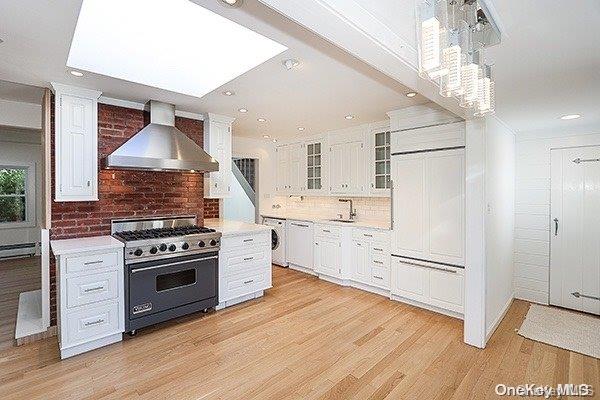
x=22, y=115
x=22, y=148
x=264, y=151
x=532, y=210
x=499, y=220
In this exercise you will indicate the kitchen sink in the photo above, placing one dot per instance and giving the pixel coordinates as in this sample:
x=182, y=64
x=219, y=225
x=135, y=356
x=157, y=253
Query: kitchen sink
x=348, y=221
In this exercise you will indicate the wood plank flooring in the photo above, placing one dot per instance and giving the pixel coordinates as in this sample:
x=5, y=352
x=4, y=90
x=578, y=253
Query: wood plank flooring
x=306, y=339
x=16, y=276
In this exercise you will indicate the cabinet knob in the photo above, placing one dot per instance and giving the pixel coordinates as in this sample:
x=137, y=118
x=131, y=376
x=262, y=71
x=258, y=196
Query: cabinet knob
x=89, y=183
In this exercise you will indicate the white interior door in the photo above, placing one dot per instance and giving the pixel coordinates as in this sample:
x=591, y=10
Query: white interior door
x=575, y=229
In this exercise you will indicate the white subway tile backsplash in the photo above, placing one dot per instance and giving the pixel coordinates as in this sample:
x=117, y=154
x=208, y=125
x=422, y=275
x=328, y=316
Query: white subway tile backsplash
x=367, y=208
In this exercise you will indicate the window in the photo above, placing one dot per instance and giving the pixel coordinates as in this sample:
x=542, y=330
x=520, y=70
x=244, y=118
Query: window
x=382, y=160
x=16, y=195
x=313, y=153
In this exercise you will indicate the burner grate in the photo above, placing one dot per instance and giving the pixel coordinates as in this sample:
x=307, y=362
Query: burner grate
x=162, y=233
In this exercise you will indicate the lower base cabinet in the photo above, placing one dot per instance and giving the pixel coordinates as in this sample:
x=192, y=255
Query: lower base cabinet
x=244, y=267
x=441, y=287
x=328, y=257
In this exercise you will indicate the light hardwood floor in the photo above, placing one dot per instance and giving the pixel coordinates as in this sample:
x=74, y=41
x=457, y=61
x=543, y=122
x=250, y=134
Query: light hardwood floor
x=305, y=339
x=16, y=276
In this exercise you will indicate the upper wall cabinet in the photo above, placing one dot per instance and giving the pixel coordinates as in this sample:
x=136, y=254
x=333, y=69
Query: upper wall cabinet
x=76, y=143
x=290, y=171
x=316, y=164
x=379, y=159
x=217, y=143
x=347, y=172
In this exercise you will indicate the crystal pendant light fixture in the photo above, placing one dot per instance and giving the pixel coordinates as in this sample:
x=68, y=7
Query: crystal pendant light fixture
x=431, y=27
x=452, y=56
x=486, y=88
x=470, y=80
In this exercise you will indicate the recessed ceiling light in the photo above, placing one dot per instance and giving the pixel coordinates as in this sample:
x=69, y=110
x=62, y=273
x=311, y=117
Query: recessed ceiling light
x=349, y=116
x=570, y=116
x=274, y=140
x=300, y=128
x=229, y=93
x=266, y=136
x=290, y=63
x=261, y=120
x=76, y=73
x=411, y=94
x=243, y=110
x=232, y=3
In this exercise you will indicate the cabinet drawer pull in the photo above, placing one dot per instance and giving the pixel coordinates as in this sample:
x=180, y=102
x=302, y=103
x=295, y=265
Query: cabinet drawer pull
x=248, y=258
x=378, y=262
x=326, y=230
x=98, y=321
x=300, y=225
x=248, y=240
x=367, y=235
x=92, y=262
x=377, y=249
x=452, y=271
x=93, y=289
x=378, y=277
x=247, y=282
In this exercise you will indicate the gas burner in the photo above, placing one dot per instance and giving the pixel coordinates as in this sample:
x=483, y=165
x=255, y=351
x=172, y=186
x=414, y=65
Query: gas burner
x=157, y=238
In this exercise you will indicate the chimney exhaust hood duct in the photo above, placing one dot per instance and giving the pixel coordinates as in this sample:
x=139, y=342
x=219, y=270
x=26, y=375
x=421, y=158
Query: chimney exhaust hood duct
x=159, y=146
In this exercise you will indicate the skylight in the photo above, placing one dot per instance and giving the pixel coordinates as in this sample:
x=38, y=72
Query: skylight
x=169, y=44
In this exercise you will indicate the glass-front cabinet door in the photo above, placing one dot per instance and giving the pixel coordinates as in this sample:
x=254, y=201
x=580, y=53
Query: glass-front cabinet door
x=314, y=166
x=381, y=162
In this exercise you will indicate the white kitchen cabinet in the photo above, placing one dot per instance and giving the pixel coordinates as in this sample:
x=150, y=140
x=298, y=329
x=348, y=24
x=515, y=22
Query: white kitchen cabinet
x=244, y=267
x=428, y=206
x=437, y=286
x=90, y=293
x=379, y=158
x=300, y=245
x=76, y=143
x=370, y=263
x=315, y=166
x=347, y=169
x=328, y=251
x=290, y=169
x=360, y=266
x=217, y=143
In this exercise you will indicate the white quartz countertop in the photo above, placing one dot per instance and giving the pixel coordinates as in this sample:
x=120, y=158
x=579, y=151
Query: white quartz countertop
x=371, y=224
x=78, y=245
x=232, y=228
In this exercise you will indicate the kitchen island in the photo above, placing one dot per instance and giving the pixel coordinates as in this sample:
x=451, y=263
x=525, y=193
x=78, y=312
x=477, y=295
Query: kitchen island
x=245, y=267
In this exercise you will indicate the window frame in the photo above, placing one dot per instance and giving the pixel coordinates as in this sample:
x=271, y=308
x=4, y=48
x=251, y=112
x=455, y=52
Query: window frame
x=30, y=200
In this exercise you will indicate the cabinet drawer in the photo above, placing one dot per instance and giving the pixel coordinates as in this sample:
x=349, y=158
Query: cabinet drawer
x=245, y=241
x=380, y=260
x=368, y=234
x=380, y=249
x=92, y=262
x=235, y=263
x=244, y=284
x=92, y=323
x=380, y=277
x=328, y=231
x=410, y=281
x=92, y=288
x=446, y=289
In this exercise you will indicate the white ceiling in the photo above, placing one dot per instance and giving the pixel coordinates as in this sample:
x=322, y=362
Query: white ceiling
x=548, y=64
x=327, y=85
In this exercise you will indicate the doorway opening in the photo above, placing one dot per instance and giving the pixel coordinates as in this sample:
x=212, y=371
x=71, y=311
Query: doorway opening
x=243, y=205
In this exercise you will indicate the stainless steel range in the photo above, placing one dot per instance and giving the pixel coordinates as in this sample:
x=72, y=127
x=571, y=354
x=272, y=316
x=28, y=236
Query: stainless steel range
x=171, y=268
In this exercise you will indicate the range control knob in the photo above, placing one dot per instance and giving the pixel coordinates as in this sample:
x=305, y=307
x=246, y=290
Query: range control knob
x=201, y=243
x=163, y=247
x=138, y=252
x=172, y=247
x=153, y=250
x=185, y=246
x=213, y=242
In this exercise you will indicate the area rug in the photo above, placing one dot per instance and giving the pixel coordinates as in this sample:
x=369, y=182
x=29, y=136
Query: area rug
x=568, y=330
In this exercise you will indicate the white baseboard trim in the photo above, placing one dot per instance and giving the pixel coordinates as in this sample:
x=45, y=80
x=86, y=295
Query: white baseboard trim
x=239, y=300
x=88, y=346
x=499, y=319
x=427, y=306
x=302, y=269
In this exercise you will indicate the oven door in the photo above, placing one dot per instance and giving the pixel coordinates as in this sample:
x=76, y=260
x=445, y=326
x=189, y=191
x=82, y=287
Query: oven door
x=156, y=286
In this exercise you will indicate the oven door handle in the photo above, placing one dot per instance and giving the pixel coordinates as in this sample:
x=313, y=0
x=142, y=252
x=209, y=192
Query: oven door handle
x=133, y=271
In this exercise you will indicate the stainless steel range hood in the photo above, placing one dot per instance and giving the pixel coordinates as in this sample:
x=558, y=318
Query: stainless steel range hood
x=159, y=146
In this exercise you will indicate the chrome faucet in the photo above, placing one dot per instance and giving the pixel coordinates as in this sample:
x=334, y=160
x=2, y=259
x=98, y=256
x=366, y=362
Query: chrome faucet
x=352, y=210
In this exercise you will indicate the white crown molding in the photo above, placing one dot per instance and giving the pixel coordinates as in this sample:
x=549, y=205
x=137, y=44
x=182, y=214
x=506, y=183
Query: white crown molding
x=75, y=91
x=219, y=118
x=142, y=106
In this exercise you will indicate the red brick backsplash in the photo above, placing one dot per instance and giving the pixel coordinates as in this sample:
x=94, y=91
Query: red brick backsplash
x=125, y=193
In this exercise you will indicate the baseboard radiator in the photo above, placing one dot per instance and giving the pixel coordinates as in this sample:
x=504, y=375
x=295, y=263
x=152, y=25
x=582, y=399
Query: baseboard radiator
x=18, y=250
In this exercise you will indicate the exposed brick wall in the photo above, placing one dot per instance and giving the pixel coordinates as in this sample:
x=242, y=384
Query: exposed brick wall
x=127, y=193
x=211, y=208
